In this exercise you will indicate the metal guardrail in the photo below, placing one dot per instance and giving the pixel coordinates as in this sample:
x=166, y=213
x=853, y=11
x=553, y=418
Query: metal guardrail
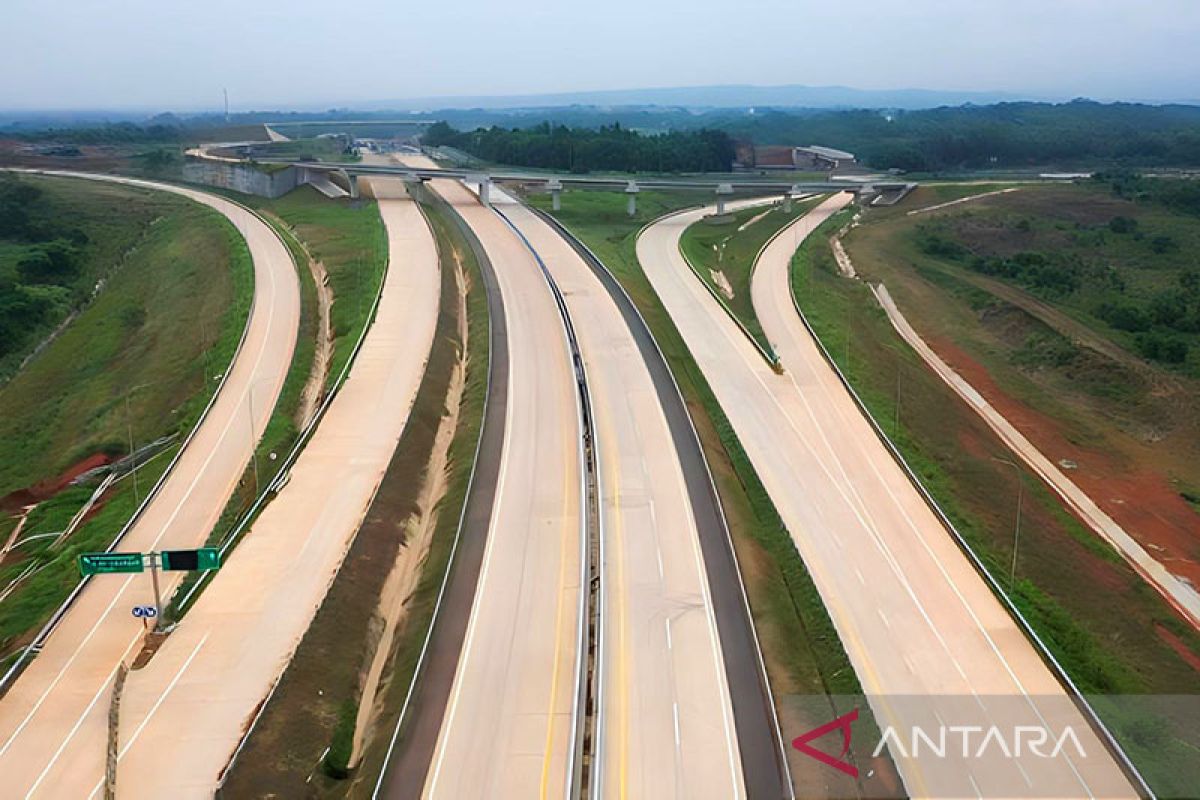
x=1106, y=737
x=617, y=291
x=590, y=566
x=40, y=639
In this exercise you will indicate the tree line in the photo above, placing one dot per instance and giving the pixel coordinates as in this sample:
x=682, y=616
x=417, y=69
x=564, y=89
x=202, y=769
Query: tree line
x=579, y=150
x=1080, y=133
x=39, y=285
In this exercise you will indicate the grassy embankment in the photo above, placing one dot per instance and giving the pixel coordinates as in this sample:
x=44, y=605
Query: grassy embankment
x=317, y=700
x=729, y=248
x=803, y=653
x=349, y=239
x=1097, y=616
x=169, y=265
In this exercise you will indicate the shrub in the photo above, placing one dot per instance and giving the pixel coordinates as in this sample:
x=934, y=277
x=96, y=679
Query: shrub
x=1122, y=225
x=1161, y=347
x=1124, y=316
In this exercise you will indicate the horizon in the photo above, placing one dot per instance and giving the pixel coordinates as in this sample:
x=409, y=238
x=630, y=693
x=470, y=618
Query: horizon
x=285, y=55
x=557, y=100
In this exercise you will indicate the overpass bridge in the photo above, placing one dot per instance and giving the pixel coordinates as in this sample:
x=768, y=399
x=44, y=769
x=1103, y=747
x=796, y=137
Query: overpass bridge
x=723, y=186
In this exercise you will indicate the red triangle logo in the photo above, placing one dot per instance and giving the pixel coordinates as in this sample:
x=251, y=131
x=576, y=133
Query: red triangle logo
x=842, y=723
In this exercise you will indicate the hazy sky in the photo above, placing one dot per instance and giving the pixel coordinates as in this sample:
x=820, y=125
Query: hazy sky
x=167, y=54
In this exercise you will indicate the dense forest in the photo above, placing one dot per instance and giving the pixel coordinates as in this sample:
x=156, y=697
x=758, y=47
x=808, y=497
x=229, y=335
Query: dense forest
x=1077, y=135
x=1080, y=133
x=608, y=147
x=40, y=264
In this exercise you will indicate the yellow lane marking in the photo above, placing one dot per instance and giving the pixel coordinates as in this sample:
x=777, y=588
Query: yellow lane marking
x=558, y=617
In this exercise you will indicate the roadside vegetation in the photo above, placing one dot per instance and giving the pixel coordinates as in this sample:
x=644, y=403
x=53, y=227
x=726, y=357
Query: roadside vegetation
x=1113, y=633
x=1073, y=309
x=348, y=239
x=1020, y=136
x=803, y=653
x=722, y=255
x=118, y=377
x=304, y=740
x=608, y=147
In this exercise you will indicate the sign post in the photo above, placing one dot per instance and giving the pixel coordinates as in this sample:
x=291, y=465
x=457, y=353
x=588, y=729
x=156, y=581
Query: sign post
x=108, y=563
x=157, y=596
x=200, y=560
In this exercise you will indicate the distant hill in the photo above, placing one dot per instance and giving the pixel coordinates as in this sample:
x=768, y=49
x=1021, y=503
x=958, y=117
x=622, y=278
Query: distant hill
x=737, y=96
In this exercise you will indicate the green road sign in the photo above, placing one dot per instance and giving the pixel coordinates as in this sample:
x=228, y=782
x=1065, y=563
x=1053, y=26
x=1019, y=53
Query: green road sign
x=204, y=559
x=104, y=563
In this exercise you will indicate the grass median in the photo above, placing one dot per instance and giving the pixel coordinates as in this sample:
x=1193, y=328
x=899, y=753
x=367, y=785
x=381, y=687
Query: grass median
x=349, y=240
x=723, y=255
x=803, y=653
x=302, y=745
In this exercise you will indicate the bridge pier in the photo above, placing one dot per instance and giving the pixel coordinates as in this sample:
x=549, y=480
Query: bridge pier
x=787, y=197
x=723, y=191
x=485, y=187
x=631, y=192
x=353, y=186
x=555, y=187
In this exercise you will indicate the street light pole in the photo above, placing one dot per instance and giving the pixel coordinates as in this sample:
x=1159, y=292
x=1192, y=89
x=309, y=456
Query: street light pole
x=1012, y=573
x=253, y=436
x=896, y=416
x=137, y=500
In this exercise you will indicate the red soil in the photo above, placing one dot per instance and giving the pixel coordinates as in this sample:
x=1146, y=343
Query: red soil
x=1178, y=646
x=1139, y=499
x=44, y=490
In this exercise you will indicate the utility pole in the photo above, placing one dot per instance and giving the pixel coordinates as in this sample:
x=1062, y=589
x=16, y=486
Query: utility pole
x=226, y=92
x=896, y=418
x=253, y=436
x=207, y=353
x=1012, y=572
x=137, y=500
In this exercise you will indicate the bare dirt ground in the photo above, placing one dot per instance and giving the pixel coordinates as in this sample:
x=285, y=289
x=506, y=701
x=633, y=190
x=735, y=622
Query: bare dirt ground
x=44, y=490
x=722, y=283
x=1134, y=494
x=403, y=579
x=1140, y=500
x=310, y=397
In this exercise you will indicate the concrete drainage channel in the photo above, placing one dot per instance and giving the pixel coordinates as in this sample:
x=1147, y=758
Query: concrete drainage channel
x=587, y=674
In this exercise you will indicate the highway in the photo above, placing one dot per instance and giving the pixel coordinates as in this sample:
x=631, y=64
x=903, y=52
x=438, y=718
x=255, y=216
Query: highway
x=926, y=636
x=508, y=727
x=666, y=726
x=189, y=706
x=53, y=720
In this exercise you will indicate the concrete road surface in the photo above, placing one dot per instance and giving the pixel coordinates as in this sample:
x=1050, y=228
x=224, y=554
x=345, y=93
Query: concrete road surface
x=189, y=706
x=666, y=726
x=53, y=720
x=508, y=728
x=916, y=620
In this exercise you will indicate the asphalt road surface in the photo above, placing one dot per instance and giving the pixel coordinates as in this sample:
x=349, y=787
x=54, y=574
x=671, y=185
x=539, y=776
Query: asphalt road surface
x=53, y=721
x=666, y=726
x=508, y=727
x=920, y=626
